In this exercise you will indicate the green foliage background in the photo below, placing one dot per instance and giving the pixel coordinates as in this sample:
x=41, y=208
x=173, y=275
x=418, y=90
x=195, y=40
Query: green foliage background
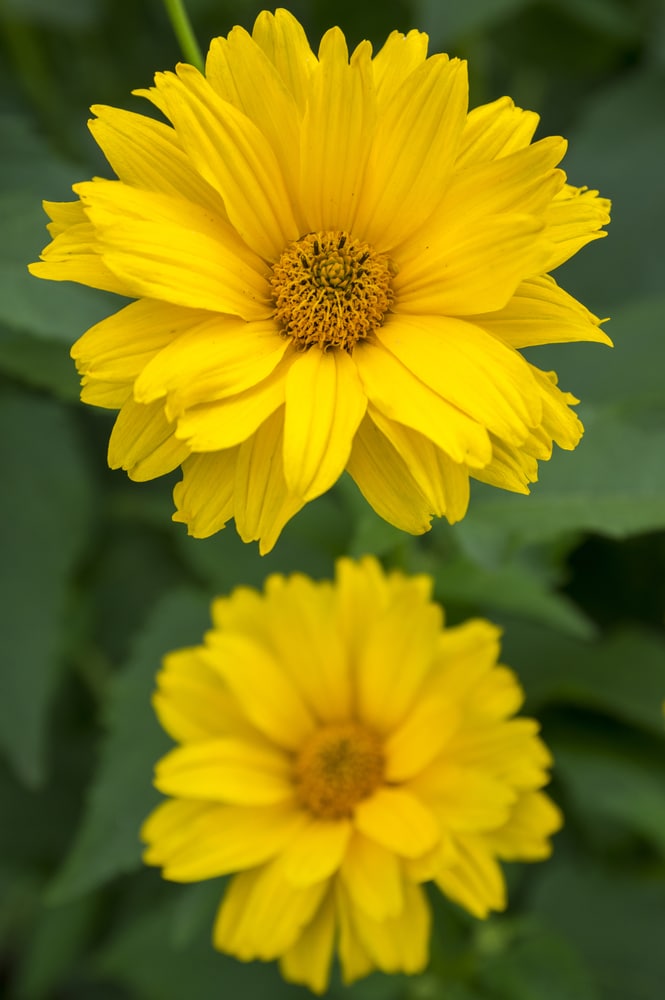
x=96, y=583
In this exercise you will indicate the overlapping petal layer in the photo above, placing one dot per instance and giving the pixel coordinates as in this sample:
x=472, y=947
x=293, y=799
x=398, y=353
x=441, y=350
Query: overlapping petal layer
x=337, y=747
x=275, y=144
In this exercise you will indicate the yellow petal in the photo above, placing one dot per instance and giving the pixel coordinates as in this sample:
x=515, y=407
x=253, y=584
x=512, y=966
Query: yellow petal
x=384, y=480
x=524, y=837
x=301, y=627
x=495, y=130
x=283, y=40
x=193, y=703
x=118, y=348
x=110, y=395
x=75, y=255
x=325, y=403
x=474, y=272
x=219, y=357
x=308, y=960
x=373, y=878
x=336, y=134
x=395, y=61
x=230, y=770
x=420, y=737
x=234, y=157
x=240, y=72
x=464, y=799
x=198, y=840
x=542, y=313
x=145, y=154
x=399, y=395
x=143, y=443
x=398, y=820
x=401, y=943
x=316, y=852
x=408, y=167
x=443, y=482
x=472, y=370
x=262, y=501
x=574, y=219
x=204, y=498
x=475, y=881
x=263, y=914
x=171, y=249
x=230, y=421
x=263, y=690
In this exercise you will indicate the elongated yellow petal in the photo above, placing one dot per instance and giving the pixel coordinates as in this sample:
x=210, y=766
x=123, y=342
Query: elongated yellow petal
x=317, y=851
x=408, y=168
x=262, y=689
x=283, y=40
x=372, y=877
x=204, y=498
x=337, y=127
x=475, y=880
x=495, y=130
x=263, y=914
x=533, y=819
x=542, y=313
x=420, y=737
x=395, y=61
x=213, y=426
x=219, y=357
x=444, y=482
x=385, y=481
x=396, y=819
x=325, y=403
x=262, y=501
x=308, y=960
x=240, y=72
x=231, y=770
x=396, y=393
x=470, y=369
x=146, y=154
x=574, y=219
x=400, y=943
x=195, y=840
x=143, y=442
x=75, y=255
x=234, y=157
x=474, y=271
x=118, y=348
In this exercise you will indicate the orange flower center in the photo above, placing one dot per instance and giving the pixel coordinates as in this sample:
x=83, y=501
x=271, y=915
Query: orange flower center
x=331, y=290
x=339, y=765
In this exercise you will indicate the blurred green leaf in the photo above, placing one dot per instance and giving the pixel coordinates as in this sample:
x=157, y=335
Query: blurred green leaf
x=121, y=796
x=519, y=959
x=74, y=14
x=39, y=363
x=616, y=782
x=57, y=940
x=450, y=22
x=45, y=511
x=614, y=918
x=141, y=956
x=623, y=675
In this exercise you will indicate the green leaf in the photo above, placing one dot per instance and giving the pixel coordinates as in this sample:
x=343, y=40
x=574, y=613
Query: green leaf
x=121, y=796
x=39, y=363
x=58, y=938
x=141, y=957
x=622, y=675
x=450, y=22
x=614, y=782
x=75, y=14
x=45, y=510
x=614, y=918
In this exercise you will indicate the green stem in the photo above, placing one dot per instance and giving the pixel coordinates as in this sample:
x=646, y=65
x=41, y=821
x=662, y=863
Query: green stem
x=184, y=33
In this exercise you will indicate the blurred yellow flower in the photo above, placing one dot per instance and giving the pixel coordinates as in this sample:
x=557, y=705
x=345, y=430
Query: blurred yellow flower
x=336, y=265
x=339, y=748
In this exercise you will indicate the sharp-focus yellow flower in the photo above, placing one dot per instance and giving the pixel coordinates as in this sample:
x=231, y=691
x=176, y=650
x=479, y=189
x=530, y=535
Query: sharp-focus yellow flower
x=339, y=748
x=335, y=266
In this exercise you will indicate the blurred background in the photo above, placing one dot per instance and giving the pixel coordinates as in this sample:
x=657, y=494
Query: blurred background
x=96, y=583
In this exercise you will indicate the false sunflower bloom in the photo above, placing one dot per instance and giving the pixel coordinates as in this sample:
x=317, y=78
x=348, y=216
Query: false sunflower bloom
x=335, y=265
x=338, y=749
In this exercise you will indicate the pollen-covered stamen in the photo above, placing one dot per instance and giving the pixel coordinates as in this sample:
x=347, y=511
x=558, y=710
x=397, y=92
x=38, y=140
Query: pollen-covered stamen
x=339, y=766
x=331, y=290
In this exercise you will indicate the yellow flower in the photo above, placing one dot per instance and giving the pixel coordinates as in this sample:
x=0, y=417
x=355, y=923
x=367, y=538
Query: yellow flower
x=336, y=265
x=339, y=748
